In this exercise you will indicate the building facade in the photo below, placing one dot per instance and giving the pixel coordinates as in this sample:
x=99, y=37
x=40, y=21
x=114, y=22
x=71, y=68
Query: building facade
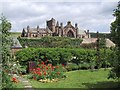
x=53, y=28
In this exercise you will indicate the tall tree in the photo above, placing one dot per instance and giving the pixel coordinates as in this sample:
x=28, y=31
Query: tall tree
x=5, y=27
x=115, y=26
x=115, y=36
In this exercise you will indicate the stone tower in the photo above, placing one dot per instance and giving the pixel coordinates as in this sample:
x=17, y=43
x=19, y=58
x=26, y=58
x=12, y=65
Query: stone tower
x=28, y=31
x=51, y=25
x=76, y=27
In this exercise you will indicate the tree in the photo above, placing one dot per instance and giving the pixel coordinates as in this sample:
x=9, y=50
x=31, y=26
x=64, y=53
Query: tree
x=115, y=26
x=5, y=27
x=102, y=42
x=115, y=36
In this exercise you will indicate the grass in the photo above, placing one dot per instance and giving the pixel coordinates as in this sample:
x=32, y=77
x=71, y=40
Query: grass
x=15, y=34
x=18, y=85
x=80, y=79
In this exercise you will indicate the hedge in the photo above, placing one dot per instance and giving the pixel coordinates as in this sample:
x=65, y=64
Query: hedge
x=50, y=42
x=66, y=55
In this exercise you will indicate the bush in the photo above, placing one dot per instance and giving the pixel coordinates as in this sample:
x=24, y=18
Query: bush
x=45, y=71
x=50, y=42
x=84, y=66
x=85, y=57
x=72, y=66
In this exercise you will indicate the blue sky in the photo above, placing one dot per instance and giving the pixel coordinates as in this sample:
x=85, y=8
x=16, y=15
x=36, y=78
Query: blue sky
x=95, y=15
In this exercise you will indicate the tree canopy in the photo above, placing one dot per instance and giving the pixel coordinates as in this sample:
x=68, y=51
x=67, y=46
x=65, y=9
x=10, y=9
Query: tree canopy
x=115, y=34
x=5, y=27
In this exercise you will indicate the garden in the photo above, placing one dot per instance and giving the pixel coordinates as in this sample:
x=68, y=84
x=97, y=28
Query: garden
x=65, y=67
x=61, y=64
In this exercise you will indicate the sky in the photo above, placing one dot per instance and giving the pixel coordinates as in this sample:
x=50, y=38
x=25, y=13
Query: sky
x=93, y=15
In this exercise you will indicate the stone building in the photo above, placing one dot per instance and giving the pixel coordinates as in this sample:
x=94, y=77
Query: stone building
x=53, y=28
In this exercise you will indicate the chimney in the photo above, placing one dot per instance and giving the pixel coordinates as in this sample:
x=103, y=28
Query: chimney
x=28, y=27
x=57, y=24
x=76, y=25
x=37, y=27
x=61, y=24
x=88, y=33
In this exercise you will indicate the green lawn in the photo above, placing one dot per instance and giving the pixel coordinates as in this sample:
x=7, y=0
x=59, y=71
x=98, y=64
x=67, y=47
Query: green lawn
x=15, y=34
x=18, y=85
x=80, y=79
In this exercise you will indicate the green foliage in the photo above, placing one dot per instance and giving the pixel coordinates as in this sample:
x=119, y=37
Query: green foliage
x=102, y=42
x=101, y=35
x=115, y=34
x=50, y=42
x=84, y=58
x=84, y=66
x=5, y=27
x=72, y=66
x=115, y=26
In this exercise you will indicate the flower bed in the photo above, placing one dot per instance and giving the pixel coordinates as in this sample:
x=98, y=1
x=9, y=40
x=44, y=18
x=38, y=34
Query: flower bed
x=47, y=72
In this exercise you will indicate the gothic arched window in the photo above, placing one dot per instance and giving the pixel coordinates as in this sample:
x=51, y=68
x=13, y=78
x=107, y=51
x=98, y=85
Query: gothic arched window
x=70, y=34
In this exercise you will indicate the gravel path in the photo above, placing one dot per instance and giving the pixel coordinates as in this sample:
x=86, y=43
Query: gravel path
x=25, y=82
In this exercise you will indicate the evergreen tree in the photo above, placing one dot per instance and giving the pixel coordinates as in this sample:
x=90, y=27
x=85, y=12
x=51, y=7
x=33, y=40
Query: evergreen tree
x=115, y=36
x=5, y=27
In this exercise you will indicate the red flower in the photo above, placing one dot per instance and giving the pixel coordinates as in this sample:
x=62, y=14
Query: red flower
x=42, y=62
x=39, y=73
x=43, y=66
x=44, y=73
x=38, y=69
x=63, y=65
x=49, y=64
x=57, y=66
x=14, y=79
x=46, y=68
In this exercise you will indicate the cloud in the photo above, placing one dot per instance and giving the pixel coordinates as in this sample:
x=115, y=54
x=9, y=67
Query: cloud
x=95, y=16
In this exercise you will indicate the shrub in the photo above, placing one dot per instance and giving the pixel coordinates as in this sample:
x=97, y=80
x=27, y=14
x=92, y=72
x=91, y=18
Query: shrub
x=50, y=42
x=64, y=55
x=72, y=66
x=84, y=66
